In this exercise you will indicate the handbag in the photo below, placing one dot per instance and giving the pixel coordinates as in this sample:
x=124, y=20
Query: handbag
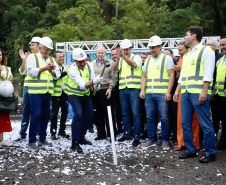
x=8, y=104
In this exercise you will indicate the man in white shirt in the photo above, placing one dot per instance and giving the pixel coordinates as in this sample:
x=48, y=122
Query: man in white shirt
x=195, y=83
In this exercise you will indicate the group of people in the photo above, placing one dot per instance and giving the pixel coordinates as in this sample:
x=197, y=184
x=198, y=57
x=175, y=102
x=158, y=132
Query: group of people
x=139, y=89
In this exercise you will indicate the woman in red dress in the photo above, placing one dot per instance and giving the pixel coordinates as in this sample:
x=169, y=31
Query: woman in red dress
x=5, y=124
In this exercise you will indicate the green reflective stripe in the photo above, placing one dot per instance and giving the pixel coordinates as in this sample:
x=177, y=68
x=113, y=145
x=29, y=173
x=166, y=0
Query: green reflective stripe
x=220, y=90
x=161, y=80
x=55, y=91
x=199, y=63
x=194, y=87
x=148, y=63
x=74, y=93
x=40, y=88
x=122, y=84
x=7, y=72
x=36, y=81
x=36, y=60
x=160, y=87
x=135, y=83
x=51, y=60
x=122, y=78
x=57, y=86
x=137, y=77
x=80, y=72
x=132, y=70
x=76, y=89
x=149, y=80
x=195, y=77
x=89, y=72
x=183, y=78
x=162, y=68
x=220, y=83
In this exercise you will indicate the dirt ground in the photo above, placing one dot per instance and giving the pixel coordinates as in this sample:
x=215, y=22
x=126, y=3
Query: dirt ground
x=59, y=165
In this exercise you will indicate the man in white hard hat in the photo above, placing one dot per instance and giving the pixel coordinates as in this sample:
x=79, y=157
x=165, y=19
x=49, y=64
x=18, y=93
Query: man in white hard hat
x=195, y=83
x=41, y=69
x=158, y=77
x=81, y=77
x=130, y=73
x=34, y=46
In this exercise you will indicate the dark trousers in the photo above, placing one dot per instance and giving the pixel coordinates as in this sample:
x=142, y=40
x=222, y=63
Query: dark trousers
x=59, y=102
x=83, y=116
x=101, y=115
x=215, y=116
x=143, y=115
x=221, y=105
x=118, y=109
x=173, y=117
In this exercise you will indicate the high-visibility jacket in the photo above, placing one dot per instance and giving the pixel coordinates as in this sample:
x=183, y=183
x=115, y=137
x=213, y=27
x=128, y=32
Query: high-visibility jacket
x=43, y=83
x=220, y=79
x=128, y=76
x=72, y=87
x=57, y=90
x=193, y=72
x=6, y=72
x=26, y=77
x=157, y=75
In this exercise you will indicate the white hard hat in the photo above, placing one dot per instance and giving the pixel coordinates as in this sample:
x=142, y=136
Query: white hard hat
x=47, y=42
x=126, y=44
x=154, y=41
x=35, y=39
x=79, y=54
x=6, y=88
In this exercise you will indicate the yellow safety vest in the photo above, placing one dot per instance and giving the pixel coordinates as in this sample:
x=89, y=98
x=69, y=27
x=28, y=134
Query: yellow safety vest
x=43, y=83
x=128, y=76
x=220, y=79
x=57, y=91
x=157, y=75
x=6, y=72
x=193, y=72
x=72, y=87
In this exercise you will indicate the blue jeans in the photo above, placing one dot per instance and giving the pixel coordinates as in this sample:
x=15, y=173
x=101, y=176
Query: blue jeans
x=40, y=108
x=26, y=113
x=130, y=100
x=57, y=102
x=189, y=103
x=154, y=102
x=83, y=116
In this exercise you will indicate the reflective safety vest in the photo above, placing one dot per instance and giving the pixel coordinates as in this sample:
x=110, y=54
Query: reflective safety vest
x=72, y=87
x=193, y=72
x=26, y=77
x=6, y=72
x=57, y=91
x=128, y=76
x=43, y=83
x=220, y=79
x=157, y=75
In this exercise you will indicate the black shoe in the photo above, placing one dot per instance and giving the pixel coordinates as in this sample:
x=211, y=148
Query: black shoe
x=76, y=146
x=136, y=142
x=188, y=155
x=144, y=135
x=99, y=138
x=53, y=136
x=207, y=158
x=123, y=139
x=20, y=139
x=84, y=142
x=63, y=134
x=221, y=146
x=91, y=130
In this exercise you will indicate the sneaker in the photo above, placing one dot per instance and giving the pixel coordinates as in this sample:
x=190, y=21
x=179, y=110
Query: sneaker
x=20, y=139
x=99, y=138
x=45, y=143
x=53, y=136
x=123, y=139
x=136, y=142
x=148, y=144
x=63, y=134
x=165, y=145
x=5, y=143
x=84, y=142
x=33, y=146
x=75, y=146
